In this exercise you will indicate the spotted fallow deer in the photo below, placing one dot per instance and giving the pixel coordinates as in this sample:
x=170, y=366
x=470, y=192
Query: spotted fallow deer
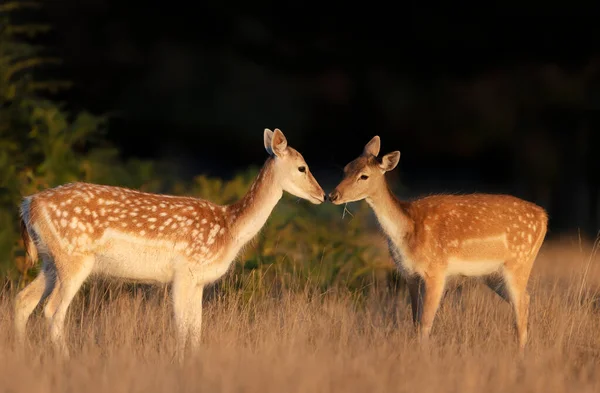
x=494, y=237
x=82, y=229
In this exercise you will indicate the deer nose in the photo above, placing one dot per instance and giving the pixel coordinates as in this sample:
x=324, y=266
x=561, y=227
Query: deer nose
x=334, y=195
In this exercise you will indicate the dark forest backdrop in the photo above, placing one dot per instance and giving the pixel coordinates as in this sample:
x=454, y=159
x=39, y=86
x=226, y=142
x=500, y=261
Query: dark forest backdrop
x=498, y=98
x=501, y=98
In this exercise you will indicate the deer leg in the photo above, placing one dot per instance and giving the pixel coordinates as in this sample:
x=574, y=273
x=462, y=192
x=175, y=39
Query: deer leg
x=434, y=289
x=516, y=276
x=27, y=300
x=187, y=301
x=516, y=284
x=195, y=309
x=496, y=284
x=32, y=295
x=70, y=278
x=415, y=290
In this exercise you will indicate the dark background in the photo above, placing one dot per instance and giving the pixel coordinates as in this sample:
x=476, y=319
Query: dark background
x=496, y=98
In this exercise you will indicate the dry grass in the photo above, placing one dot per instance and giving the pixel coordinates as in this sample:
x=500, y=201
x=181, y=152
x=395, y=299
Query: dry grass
x=316, y=342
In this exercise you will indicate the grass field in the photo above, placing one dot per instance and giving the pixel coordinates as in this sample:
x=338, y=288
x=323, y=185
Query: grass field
x=310, y=340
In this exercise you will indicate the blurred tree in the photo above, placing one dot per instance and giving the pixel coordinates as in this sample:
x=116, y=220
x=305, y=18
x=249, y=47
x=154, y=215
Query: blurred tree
x=41, y=144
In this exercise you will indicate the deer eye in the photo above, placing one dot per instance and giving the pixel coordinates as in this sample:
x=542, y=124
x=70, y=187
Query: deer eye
x=364, y=177
x=302, y=168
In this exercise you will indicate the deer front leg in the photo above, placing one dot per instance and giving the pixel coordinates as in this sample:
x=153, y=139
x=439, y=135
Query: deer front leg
x=434, y=289
x=187, y=306
x=415, y=291
x=183, y=302
x=195, y=309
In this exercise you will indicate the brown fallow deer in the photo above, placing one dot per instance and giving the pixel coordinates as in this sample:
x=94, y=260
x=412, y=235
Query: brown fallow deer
x=82, y=230
x=494, y=237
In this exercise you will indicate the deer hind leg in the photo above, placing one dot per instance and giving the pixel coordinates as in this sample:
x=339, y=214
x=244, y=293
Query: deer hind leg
x=70, y=276
x=496, y=283
x=29, y=297
x=187, y=307
x=516, y=276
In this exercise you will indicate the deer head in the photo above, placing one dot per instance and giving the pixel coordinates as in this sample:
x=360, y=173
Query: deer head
x=364, y=175
x=290, y=169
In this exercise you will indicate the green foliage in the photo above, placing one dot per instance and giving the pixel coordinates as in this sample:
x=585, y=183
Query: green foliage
x=42, y=144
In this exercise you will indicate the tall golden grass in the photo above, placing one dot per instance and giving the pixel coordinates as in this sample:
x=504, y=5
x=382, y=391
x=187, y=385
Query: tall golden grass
x=310, y=340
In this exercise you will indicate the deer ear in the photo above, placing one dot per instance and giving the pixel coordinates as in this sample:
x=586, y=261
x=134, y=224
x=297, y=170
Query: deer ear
x=373, y=146
x=278, y=143
x=389, y=161
x=268, y=137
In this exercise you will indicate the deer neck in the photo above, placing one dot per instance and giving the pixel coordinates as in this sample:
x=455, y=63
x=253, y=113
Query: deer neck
x=249, y=214
x=391, y=213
